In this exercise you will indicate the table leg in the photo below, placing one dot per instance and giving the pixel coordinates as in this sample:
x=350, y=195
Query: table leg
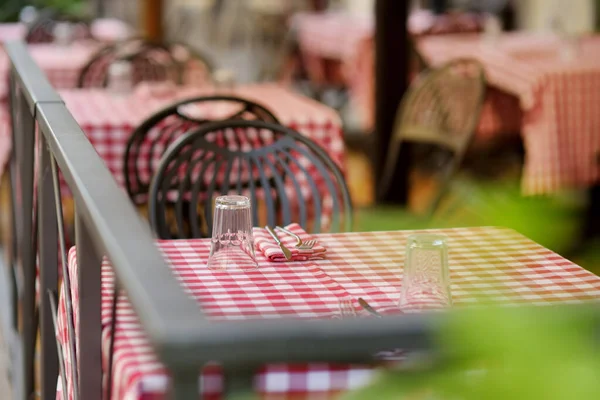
x=591, y=228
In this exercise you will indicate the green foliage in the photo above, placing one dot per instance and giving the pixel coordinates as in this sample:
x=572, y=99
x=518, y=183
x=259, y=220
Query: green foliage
x=554, y=222
x=69, y=7
x=504, y=354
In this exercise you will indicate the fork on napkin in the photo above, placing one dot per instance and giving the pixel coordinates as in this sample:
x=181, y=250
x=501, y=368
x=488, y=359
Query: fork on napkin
x=264, y=243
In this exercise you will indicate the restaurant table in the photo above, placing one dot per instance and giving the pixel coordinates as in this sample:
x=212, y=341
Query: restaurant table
x=485, y=262
x=12, y=31
x=108, y=120
x=61, y=64
x=103, y=29
x=559, y=98
x=348, y=39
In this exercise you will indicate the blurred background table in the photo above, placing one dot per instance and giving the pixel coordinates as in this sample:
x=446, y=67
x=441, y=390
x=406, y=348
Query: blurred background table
x=109, y=120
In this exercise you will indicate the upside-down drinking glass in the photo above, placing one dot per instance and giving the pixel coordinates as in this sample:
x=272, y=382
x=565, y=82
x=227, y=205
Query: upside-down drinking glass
x=232, y=244
x=426, y=281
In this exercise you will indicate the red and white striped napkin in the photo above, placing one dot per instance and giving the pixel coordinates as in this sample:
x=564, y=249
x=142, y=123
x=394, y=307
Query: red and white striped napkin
x=264, y=243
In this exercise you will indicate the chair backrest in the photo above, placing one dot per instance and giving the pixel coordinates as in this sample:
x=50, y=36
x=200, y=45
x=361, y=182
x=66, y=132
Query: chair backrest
x=149, y=141
x=42, y=29
x=286, y=176
x=441, y=108
x=150, y=61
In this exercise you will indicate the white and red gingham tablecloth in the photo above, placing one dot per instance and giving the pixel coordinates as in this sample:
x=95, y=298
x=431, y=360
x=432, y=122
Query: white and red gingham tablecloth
x=61, y=64
x=109, y=120
x=554, y=102
x=493, y=263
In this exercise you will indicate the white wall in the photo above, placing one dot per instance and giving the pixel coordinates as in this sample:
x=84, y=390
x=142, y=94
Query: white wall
x=576, y=16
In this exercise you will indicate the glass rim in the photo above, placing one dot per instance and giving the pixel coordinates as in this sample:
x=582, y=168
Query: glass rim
x=432, y=239
x=232, y=201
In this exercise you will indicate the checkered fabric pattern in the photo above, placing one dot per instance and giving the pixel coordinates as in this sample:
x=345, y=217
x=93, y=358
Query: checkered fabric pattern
x=267, y=246
x=108, y=121
x=484, y=262
x=61, y=65
x=559, y=99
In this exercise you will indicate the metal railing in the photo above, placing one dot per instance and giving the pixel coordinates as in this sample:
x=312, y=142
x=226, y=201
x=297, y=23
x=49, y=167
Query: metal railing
x=107, y=224
x=46, y=137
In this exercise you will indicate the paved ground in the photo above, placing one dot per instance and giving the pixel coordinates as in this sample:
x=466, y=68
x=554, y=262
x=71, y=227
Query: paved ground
x=5, y=392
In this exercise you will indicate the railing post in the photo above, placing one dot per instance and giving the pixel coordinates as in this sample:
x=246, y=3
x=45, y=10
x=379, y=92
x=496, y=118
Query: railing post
x=90, y=307
x=24, y=143
x=48, y=272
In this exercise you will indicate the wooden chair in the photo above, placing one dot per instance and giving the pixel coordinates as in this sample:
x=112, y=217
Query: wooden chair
x=441, y=109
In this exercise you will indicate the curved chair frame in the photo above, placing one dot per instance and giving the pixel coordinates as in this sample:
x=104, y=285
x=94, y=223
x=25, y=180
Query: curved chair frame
x=111, y=54
x=47, y=19
x=275, y=157
x=183, y=123
x=405, y=130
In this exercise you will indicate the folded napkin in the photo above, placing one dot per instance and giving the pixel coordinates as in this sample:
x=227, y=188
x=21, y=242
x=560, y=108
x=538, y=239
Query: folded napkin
x=265, y=244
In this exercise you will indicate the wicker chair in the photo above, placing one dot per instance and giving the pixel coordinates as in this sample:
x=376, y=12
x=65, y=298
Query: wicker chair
x=441, y=109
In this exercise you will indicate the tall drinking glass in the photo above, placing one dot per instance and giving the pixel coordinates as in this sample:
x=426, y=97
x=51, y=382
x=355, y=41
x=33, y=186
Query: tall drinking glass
x=232, y=244
x=426, y=282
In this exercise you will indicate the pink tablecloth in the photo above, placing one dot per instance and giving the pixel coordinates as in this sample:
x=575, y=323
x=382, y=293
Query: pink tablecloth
x=61, y=65
x=494, y=263
x=12, y=31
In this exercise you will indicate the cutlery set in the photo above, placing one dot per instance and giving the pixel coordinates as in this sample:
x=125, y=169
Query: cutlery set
x=300, y=244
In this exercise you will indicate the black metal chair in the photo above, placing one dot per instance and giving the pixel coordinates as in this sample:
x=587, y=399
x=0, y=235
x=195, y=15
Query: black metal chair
x=150, y=140
x=151, y=62
x=286, y=176
x=42, y=30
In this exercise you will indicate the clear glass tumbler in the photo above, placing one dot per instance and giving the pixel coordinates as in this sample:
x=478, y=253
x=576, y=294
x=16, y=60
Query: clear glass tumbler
x=63, y=33
x=120, y=77
x=232, y=244
x=426, y=281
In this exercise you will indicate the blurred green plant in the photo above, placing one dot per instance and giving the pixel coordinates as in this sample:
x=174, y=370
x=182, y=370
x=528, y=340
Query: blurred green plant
x=554, y=222
x=9, y=10
x=68, y=7
x=503, y=353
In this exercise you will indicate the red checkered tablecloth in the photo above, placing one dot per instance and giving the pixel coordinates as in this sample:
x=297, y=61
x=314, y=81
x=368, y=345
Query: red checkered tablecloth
x=484, y=262
x=61, y=64
x=559, y=99
x=108, y=120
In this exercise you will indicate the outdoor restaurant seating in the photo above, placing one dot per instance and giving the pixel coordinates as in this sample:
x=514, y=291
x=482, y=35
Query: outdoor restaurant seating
x=150, y=61
x=178, y=230
x=272, y=165
x=42, y=29
x=441, y=108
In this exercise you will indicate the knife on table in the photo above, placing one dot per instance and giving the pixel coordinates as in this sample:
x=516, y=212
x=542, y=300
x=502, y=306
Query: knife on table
x=286, y=252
